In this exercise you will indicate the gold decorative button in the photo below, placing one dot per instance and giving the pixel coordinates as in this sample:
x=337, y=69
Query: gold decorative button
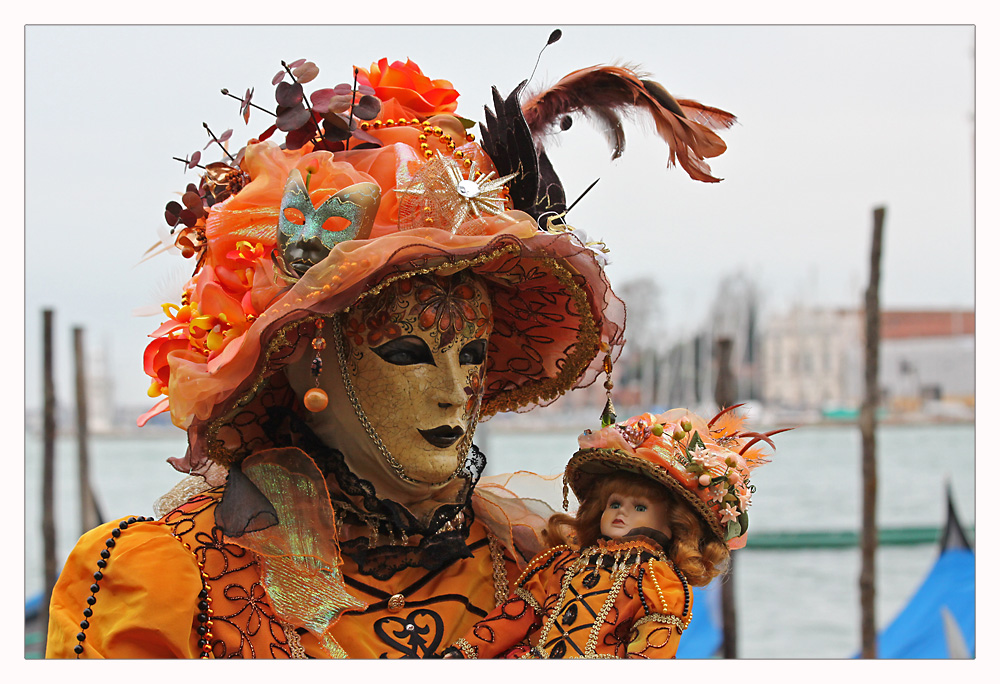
x=396, y=603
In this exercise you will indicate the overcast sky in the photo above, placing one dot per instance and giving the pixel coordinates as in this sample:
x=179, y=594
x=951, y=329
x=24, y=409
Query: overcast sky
x=833, y=121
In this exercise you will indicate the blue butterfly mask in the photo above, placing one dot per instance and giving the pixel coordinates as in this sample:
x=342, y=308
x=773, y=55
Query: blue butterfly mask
x=303, y=241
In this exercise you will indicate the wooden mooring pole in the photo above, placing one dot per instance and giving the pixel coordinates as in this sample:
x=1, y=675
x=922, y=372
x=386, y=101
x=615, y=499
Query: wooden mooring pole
x=88, y=506
x=48, y=468
x=725, y=395
x=867, y=419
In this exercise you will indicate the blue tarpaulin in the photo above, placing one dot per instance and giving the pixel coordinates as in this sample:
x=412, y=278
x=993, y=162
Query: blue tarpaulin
x=703, y=637
x=940, y=619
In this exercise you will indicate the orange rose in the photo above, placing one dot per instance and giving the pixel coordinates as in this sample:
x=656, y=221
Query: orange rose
x=418, y=95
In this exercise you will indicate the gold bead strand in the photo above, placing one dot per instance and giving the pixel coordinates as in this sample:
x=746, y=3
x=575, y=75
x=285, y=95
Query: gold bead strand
x=206, y=612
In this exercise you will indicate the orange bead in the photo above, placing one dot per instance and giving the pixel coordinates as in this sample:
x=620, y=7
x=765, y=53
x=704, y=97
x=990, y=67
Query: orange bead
x=315, y=400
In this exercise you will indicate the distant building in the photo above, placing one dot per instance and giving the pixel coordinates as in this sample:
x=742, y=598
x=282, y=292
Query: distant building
x=813, y=359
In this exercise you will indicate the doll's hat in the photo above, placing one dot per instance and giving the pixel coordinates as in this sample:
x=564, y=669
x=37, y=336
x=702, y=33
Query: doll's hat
x=707, y=463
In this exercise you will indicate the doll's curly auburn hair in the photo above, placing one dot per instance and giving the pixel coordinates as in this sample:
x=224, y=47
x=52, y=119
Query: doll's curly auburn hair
x=693, y=548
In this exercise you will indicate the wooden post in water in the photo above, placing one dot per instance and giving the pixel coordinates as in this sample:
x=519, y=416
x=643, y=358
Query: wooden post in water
x=88, y=507
x=48, y=468
x=867, y=419
x=725, y=395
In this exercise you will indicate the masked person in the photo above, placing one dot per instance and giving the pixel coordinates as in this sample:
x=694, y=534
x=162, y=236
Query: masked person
x=363, y=295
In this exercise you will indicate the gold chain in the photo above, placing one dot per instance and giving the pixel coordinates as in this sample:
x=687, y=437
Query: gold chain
x=501, y=587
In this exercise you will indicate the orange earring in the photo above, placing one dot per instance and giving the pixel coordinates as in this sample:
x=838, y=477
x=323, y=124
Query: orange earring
x=315, y=399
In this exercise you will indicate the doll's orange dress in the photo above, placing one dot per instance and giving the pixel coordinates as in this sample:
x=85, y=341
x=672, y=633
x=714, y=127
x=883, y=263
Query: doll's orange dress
x=616, y=599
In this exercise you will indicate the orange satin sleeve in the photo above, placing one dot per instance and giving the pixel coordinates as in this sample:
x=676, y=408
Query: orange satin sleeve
x=144, y=607
x=501, y=633
x=657, y=634
x=506, y=627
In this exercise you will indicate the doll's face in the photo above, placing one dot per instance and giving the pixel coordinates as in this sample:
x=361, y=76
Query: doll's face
x=416, y=357
x=625, y=512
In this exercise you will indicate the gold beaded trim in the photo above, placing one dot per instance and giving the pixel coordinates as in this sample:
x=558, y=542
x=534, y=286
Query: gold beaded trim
x=528, y=598
x=550, y=620
x=470, y=651
x=428, y=132
x=501, y=586
x=617, y=582
x=663, y=619
x=538, y=560
x=294, y=641
x=688, y=597
x=450, y=266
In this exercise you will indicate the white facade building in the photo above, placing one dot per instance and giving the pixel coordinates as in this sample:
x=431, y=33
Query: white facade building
x=813, y=359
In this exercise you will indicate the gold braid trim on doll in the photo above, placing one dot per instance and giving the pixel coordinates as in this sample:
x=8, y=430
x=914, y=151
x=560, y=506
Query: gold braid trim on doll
x=660, y=617
x=470, y=651
x=526, y=596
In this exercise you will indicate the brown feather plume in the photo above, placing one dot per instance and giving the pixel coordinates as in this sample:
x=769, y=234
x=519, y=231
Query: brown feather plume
x=605, y=93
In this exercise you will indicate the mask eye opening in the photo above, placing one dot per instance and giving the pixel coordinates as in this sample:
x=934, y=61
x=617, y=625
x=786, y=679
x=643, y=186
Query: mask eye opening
x=336, y=224
x=293, y=215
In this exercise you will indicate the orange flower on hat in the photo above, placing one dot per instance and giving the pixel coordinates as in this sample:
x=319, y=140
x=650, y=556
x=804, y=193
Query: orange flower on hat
x=403, y=82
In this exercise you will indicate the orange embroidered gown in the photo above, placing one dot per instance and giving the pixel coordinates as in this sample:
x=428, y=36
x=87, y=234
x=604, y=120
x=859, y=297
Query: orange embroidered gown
x=175, y=588
x=616, y=599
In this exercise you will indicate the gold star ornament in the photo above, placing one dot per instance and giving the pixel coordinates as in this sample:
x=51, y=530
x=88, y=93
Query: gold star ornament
x=447, y=195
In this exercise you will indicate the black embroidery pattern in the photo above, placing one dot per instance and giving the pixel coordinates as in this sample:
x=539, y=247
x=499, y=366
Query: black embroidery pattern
x=418, y=635
x=252, y=611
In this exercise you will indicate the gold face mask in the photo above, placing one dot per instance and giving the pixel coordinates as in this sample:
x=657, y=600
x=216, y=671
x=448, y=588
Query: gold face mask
x=415, y=356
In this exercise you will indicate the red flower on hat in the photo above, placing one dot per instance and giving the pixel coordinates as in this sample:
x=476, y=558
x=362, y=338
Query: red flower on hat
x=412, y=90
